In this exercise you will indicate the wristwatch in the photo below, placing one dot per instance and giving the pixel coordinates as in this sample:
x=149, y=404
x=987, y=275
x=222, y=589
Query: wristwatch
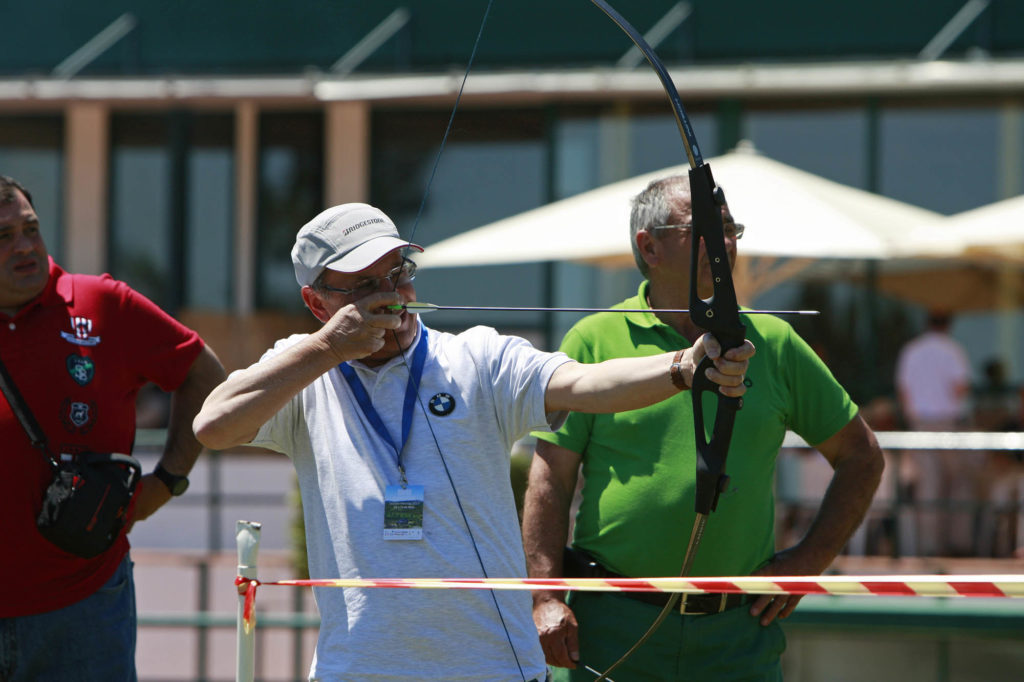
x=176, y=484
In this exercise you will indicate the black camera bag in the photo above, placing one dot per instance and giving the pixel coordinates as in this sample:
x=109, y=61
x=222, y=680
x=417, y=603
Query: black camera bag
x=85, y=507
x=86, y=504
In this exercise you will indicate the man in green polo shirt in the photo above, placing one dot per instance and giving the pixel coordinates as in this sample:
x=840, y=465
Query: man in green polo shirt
x=637, y=503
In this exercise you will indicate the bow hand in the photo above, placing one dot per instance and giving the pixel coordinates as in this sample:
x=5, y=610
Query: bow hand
x=714, y=370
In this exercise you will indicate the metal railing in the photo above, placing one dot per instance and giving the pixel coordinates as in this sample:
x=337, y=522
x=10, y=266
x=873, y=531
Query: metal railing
x=896, y=507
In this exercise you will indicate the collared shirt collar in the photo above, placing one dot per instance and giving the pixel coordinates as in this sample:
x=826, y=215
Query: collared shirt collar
x=650, y=320
x=645, y=320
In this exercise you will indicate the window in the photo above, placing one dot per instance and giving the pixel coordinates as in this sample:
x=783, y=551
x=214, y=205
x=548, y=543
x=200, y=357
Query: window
x=831, y=143
x=141, y=247
x=924, y=154
x=209, y=213
x=494, y=166
x=31, y=152
x=290, y=193
x=171, y=207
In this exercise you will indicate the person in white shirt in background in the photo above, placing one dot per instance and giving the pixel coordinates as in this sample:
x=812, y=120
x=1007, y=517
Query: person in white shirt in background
x=933, y=382
x=400, y=436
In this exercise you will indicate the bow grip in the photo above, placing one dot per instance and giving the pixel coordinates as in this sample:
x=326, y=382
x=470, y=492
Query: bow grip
x=711, y=454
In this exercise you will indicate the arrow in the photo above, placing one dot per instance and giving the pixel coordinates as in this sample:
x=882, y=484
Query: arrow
x=419, y=307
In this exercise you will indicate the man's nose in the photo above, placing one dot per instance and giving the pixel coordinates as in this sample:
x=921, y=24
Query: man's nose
x=23, y=243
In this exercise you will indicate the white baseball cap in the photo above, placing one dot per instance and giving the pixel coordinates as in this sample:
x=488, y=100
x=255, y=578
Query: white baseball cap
x=345, y=238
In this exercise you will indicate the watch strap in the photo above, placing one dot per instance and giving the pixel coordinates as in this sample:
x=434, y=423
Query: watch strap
x=175, y=483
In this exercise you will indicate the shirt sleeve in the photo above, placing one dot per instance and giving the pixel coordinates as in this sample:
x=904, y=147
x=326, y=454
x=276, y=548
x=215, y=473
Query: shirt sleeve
x=819, y=405
x=278, y=433
x=520, y=374
x=575, y=432
x=164, y=349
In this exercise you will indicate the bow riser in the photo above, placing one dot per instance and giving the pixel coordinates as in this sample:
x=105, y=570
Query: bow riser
x=718, y=315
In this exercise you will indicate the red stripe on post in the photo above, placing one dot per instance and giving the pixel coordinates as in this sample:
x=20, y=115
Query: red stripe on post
x=550, y=582
x=890, y=589
x=632, y=585
x=249, y=605
x=717, y=586
x=977, y=589
x=804, y=588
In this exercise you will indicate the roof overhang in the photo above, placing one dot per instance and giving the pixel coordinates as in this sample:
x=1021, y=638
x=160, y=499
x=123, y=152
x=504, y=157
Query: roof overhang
x=744, y=81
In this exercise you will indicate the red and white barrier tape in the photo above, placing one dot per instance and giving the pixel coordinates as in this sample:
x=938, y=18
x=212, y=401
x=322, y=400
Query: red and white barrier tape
x=874, y=585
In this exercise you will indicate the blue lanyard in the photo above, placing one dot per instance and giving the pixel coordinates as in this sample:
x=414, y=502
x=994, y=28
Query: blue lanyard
x=412, y=386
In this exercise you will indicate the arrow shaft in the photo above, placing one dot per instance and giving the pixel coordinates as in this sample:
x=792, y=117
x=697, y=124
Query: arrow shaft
x=416, y=307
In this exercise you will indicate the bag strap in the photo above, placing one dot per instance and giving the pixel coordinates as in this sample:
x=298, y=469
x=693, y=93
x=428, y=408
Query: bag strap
x=24, y=415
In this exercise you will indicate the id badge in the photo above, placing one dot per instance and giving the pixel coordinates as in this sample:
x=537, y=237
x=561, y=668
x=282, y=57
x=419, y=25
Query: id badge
x=403, y=512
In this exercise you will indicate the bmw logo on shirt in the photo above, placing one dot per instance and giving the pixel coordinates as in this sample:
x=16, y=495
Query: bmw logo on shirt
x=442, y=404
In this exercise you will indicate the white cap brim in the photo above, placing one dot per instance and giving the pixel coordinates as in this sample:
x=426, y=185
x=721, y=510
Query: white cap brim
x=368, y=253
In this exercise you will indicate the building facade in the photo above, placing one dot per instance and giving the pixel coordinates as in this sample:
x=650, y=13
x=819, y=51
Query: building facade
x=179, y=146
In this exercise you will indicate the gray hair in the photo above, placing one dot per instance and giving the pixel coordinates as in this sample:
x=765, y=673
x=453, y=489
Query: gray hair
x=652, y=207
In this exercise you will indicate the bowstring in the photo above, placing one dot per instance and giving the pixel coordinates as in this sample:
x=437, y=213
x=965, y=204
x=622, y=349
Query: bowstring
x=451, y=121
x=419, y=398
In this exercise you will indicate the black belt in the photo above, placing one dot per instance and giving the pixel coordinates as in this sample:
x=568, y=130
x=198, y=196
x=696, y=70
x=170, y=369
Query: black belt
x=693, y=604
x=579, y=564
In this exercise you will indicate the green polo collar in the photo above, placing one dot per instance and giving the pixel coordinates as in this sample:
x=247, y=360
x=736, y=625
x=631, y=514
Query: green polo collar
x=649, y=320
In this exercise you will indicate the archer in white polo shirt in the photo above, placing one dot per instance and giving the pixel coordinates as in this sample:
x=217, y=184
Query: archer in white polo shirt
x=400, y=436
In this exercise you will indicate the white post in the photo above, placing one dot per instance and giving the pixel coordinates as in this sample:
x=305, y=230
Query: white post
x=247, y=538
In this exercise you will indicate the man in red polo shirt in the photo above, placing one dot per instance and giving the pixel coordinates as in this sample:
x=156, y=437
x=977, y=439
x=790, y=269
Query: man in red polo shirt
x=79, y=348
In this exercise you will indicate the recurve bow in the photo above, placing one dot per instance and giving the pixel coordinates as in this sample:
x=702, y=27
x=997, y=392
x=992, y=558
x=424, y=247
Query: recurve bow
x=718, y=314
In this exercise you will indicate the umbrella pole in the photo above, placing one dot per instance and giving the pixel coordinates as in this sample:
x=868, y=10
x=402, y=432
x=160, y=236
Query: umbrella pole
x=1007, y=334
x=871, y=344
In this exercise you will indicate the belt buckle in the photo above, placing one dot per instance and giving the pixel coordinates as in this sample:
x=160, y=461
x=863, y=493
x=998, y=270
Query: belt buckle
x=703, y=610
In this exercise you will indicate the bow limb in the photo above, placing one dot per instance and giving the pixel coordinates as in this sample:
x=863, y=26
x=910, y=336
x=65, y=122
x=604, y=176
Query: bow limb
x=718, y=314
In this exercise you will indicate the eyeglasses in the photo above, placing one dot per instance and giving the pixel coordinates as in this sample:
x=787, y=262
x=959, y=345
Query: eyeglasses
x=399, y=277
x=730, y=230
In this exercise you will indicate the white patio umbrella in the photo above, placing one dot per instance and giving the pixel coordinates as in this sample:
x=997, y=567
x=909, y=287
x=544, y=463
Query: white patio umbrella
x=788, y=212
x=985, y=275
x=992, y=231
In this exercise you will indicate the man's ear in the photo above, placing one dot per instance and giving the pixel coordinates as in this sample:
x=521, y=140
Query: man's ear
x=315, y=302
x=648, y=247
